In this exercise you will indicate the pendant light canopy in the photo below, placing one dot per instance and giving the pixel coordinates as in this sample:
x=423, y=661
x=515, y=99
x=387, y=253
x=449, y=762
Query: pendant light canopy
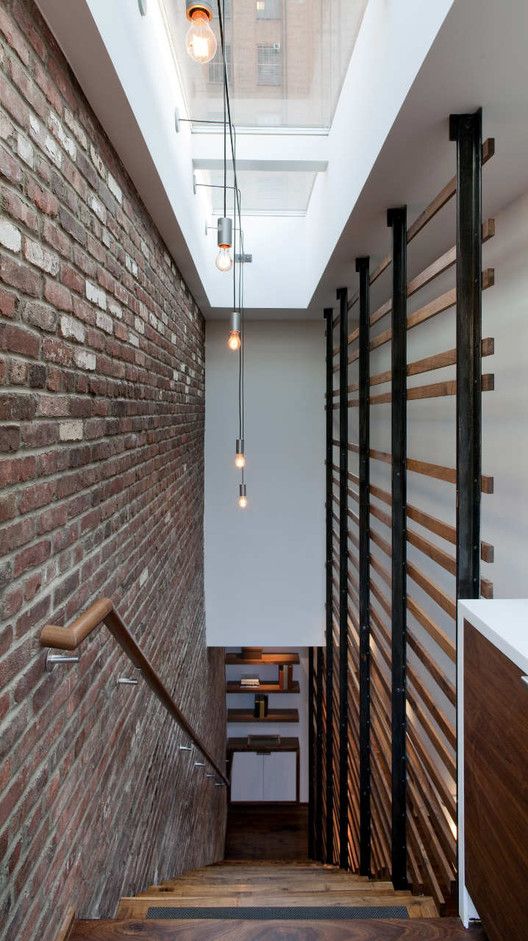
x=200, y=41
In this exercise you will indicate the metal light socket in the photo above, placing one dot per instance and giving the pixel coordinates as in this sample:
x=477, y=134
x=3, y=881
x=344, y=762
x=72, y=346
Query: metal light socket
x=198, y=6
x=242, y=490
x=239, y=446
x=225, y=232
x=235, y=321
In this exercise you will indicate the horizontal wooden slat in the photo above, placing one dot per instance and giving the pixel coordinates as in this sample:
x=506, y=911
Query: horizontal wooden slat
x=442, y=681
x=431, y=391
x=430, y=363
x=447, y=193
x=442, y=599
x=486, y=588
x=487, y=552
x=434, y=307
x=435, y=632
x=437, y=471
x=436, y=268
x=443, y=197
x=446, y=561
x=419, y=690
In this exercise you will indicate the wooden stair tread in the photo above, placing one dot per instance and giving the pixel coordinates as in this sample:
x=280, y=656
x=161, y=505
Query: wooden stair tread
x=244, y=888
x=138, y=907
x=428, y=929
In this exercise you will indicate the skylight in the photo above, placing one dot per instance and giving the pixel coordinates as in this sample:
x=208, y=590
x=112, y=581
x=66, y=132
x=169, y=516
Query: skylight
x=287, y=61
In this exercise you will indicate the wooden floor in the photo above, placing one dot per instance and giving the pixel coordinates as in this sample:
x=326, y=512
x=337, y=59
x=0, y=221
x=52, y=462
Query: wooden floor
x=427, y=929
x=267, y=831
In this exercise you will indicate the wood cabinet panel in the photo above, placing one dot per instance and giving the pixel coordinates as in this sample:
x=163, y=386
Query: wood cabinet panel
x=496, y=788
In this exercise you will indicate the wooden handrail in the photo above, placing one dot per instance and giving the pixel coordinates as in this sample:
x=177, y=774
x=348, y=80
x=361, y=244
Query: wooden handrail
x=103, y=612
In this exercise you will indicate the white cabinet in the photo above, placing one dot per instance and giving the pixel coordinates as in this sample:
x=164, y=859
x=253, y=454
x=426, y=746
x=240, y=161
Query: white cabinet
x=263, y=777
x=247, y=777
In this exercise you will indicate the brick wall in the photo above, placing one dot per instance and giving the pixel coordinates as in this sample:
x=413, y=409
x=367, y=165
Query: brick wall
x=101, y=471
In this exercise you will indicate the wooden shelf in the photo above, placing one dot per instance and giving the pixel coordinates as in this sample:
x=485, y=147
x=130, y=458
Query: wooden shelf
x=274, y=715
x=234, y=687
x=235, y=659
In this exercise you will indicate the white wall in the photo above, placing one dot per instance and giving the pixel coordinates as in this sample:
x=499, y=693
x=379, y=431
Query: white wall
x=264, y=566
x=505, y=411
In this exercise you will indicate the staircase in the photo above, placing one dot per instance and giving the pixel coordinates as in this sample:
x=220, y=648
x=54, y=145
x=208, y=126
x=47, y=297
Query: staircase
x=248, y=900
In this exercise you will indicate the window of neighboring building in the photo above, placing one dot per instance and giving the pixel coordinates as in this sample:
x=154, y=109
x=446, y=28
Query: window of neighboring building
x=269, y=9
x=269, y=64
x=216, y=67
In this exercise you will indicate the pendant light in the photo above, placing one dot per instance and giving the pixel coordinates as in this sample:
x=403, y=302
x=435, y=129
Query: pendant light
x=240, y=457
x=242, y=498
x=224, y=262
x=200, y=42
x=234, y=340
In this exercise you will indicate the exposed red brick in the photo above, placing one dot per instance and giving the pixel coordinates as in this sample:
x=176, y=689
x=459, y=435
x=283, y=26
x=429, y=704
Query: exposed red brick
x=9, y=437
x=17, y=339
x=8, y=304
x=96, y=432
x=20, y=276
x=42, y=198
x=57, y=295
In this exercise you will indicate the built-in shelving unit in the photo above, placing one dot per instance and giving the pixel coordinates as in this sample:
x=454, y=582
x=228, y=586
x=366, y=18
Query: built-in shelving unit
x=260, y=773
x=236, y=687
x=274, y=715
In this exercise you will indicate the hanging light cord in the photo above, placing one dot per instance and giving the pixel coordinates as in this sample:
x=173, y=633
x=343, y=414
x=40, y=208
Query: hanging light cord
x=237, y=206
x=220, y=4
x=225, y=124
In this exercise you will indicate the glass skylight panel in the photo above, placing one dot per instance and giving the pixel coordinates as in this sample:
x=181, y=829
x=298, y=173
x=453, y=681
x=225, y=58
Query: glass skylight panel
x=287, y=60
x=265, y=192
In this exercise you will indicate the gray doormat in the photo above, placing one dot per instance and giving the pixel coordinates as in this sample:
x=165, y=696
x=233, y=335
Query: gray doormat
x=310, y=913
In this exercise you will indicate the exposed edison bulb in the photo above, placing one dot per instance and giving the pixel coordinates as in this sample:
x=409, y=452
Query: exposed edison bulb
x=240, y=457
x=224, y=262
x=233, y=341
x=242, y=502
x=200, y=41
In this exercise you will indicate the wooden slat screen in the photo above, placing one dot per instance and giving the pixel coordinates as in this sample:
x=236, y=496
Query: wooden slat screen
x=434, y=470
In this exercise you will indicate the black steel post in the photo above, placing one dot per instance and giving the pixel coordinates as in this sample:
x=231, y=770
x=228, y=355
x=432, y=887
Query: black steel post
x=319, y=759
x=466, y=130
x=312, y=715
x=397, y=219
x=342, y=297
x=362, y=267
x=329, y=679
